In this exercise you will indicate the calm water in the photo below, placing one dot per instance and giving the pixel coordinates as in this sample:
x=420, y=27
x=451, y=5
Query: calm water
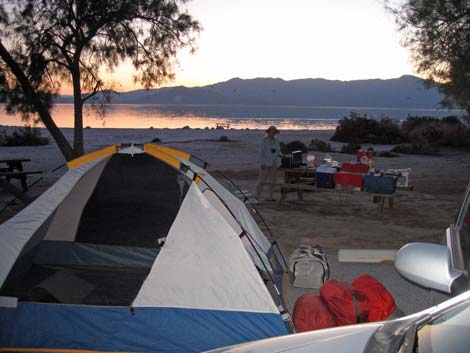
x=238, y=116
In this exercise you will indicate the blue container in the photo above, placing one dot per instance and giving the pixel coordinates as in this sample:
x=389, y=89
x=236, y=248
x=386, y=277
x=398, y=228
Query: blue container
x=324, y=178
x=380, y=184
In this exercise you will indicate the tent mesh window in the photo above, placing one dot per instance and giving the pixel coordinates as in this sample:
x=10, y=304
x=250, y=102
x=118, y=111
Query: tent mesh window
x=133, y=204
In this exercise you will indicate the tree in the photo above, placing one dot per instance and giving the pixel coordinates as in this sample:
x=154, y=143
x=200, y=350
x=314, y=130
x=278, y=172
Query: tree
x=438, y=34
x=46, y=43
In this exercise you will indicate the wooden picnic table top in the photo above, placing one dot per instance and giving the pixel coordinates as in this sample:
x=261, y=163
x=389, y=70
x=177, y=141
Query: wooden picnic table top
x=298, y=170
x=19, y=173
x=13, y=160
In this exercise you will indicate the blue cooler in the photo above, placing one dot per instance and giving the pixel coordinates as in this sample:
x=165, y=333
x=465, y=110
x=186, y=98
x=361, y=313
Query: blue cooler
x=325, y=177
x=380, y=184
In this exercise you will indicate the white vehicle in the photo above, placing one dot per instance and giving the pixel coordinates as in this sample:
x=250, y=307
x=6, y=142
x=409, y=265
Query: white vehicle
x=444, y=328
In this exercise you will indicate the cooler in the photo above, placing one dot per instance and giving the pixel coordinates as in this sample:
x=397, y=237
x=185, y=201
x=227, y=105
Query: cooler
x=380, y=184
x=324, y=177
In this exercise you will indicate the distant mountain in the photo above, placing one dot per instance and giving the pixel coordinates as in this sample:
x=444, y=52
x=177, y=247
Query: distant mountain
x=404, y=92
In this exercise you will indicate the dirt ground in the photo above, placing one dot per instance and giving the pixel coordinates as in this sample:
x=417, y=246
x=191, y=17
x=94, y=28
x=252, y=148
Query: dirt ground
x=354, y=223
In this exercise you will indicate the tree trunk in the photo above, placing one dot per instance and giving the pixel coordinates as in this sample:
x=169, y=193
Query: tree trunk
x=30, y=93
x=78, y=109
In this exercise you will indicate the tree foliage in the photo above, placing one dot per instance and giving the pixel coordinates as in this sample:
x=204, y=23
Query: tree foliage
x=47, y=43
x=438, y=34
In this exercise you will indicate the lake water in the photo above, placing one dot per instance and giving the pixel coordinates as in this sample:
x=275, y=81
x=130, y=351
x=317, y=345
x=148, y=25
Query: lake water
x=238, y=116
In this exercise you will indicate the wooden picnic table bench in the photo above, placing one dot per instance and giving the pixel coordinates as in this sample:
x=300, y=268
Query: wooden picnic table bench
x=20, y=175
x=13, y=164
x=13, y=169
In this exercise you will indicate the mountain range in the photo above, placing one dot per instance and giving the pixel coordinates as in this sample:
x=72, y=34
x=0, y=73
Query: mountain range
x=403, y=92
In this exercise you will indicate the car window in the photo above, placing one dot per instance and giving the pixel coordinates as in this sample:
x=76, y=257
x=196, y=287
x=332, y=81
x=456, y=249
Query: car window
x=463, y=228
x=450, y=332
x=464, y=233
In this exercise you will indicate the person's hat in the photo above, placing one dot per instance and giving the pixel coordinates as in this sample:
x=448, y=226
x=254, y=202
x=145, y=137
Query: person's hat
x=272, y=128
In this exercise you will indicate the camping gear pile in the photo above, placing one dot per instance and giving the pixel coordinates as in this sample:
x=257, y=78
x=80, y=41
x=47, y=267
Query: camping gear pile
x=340, y=303
x=84, y=266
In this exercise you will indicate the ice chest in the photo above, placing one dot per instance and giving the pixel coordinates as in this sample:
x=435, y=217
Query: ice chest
x=348, y=180
x=380, y=184
x=355, y=168
x=324, y=177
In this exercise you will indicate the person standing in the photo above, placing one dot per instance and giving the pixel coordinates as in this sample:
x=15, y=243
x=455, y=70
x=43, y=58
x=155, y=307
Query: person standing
x=268, y=154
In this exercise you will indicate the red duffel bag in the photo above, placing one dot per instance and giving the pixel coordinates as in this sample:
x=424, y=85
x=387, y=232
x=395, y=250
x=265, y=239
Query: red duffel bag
x=312, y=313
x=381, y=302
x=348, y=304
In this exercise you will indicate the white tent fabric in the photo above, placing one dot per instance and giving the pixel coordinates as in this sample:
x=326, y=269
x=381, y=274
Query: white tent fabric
x=185, y=265
x=242, y=215
x=17, y=231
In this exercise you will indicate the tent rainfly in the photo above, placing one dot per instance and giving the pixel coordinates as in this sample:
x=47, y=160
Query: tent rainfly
x=140, y=250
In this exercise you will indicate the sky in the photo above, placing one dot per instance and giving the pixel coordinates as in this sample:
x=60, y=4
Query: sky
x=288, y=39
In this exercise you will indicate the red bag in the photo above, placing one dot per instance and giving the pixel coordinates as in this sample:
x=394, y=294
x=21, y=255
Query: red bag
x=348, y=304
x=312, y=313
x=381, y=302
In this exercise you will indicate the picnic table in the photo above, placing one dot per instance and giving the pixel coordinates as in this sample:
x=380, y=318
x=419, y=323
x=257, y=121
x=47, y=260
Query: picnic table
x=297, y=180
x=303, y=179
x=12, y=168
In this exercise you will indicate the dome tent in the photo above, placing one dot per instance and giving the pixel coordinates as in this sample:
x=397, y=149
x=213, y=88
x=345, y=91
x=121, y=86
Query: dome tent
x=83, y=267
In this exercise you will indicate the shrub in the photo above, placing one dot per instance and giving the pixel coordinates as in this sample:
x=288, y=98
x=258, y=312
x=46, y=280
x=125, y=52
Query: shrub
x=319, y=145
x=448, y=131
x=292, y=146
x=364, y=129
x=416, y=148
x=387, y=154
x=350, y=148
x=156, y=140
x=26, y=136
x=186, y=127
x=223, y=138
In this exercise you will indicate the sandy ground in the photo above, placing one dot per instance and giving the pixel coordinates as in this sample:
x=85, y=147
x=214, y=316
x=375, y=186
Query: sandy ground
x=423, y=215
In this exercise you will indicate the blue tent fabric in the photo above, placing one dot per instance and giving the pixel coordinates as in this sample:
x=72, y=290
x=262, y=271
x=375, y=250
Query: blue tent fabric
x=140, y=329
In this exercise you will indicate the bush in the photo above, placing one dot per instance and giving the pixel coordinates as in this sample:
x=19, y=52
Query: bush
x=27, y=136
x=416, y=148
x=186, y=127
x=448, y=131
x=386, y=154
x=319, y=145
x=156, y=140
x=350, y=148
x=223, y=138
x=364, y=129
x=292, y=146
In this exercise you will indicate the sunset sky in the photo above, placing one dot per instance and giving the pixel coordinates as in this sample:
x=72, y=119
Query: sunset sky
x=332, y=39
